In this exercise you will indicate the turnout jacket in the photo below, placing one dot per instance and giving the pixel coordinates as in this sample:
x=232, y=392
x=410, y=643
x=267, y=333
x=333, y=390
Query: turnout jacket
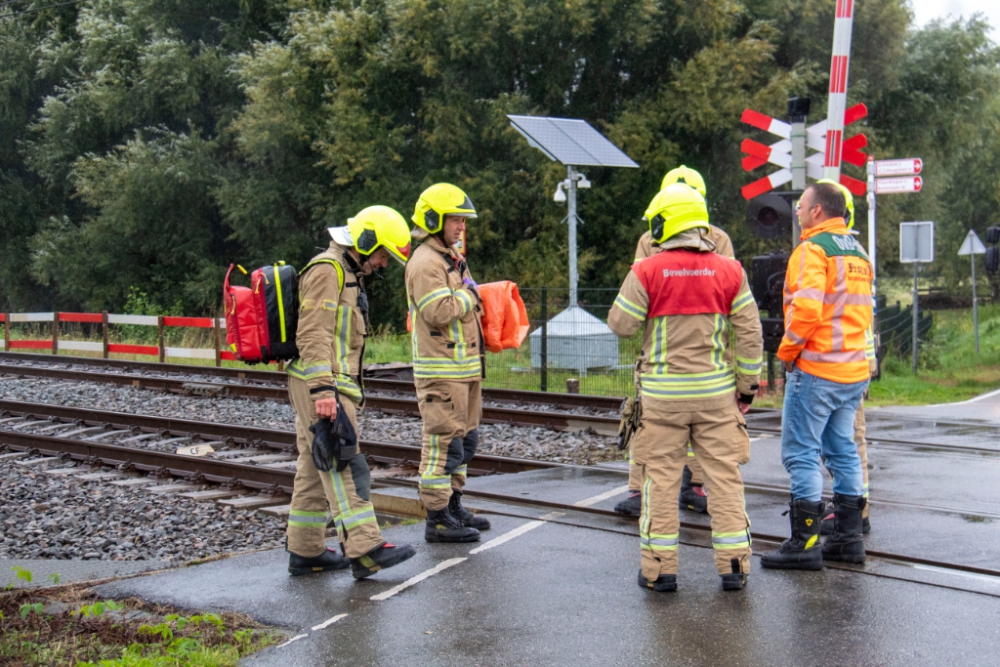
x=828, y=305
x=332, y=327
x=686, y=297
x=723, y=244
x=447, y=336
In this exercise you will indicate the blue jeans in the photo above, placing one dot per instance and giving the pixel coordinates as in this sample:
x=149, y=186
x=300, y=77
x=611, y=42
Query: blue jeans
x=818, y=419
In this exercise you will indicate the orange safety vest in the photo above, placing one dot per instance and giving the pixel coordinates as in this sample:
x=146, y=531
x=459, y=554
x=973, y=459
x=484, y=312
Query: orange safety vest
x=828, y=304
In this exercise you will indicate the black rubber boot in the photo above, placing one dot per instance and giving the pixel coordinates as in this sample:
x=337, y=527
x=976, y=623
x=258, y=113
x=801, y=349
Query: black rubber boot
x=692, y=496
x=468, y=519
x=802, y=551
x=665, y=583
x=381, y=557
x=328, y=560
x=827, y=529
x=845, y=544
x=735, y=581
x=632, y=506
x=443, y=527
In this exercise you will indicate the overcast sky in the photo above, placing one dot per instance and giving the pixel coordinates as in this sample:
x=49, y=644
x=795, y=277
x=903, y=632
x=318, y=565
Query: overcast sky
x=927, y=10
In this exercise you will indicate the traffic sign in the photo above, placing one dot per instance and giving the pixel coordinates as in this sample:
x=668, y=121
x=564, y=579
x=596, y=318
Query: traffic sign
x=912, y=165
x=916, y=242
x=885, y=186
x=972, y=245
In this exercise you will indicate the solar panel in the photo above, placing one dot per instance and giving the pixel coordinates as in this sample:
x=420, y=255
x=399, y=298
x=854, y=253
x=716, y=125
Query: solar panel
x=570, y=141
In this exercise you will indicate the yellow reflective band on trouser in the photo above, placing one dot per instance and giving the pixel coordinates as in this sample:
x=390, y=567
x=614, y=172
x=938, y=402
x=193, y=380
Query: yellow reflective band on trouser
x=356, y=518
x=433, y=296
x=655, y=542
x=748, y=364
x=740, y=540
x=688, y=385
x=629, y=308
x=302, y=519
x=309, y=370
x=691, y=449
x=428, y=480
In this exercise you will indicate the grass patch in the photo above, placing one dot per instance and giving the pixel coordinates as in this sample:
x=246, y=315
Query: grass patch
x=71, y=626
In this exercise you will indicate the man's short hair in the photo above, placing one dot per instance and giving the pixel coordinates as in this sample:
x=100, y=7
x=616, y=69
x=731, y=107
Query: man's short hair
x=830, y=198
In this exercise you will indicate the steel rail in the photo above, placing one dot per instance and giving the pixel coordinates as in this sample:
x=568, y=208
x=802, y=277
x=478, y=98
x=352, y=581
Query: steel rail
x=559, y=400
x=560, y=421
x=481, y=464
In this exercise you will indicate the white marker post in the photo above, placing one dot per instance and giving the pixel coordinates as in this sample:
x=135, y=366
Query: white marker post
x=972, y=246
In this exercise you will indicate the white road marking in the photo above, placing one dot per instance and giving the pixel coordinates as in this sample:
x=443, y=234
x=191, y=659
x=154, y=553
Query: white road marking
x=293, y=639
x=603, y=496
x=981, y=397
x=329, y=622
x=444, y=565
x=520, y=530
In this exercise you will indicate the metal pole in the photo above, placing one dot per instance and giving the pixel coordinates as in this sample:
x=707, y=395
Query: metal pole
x=571, y=218
x=975, y=304
x=544, y=354
x=872, y=256
x=798, y=137
x=915, y=318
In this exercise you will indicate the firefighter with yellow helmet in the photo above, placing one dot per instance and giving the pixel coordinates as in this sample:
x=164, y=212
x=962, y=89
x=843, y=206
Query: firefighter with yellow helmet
x=692, y=495
x=324, y=382
x=685, y=298
x=448, y=360
x=860, y=426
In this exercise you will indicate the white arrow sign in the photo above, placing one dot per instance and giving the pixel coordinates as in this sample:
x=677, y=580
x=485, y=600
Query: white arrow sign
x=912, y=165
x=972, y=245
x=892, y=185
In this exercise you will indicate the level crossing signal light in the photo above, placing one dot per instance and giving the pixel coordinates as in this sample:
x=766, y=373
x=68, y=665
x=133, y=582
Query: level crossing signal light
x=770, y=216
x=768, y=281
x=992, y=258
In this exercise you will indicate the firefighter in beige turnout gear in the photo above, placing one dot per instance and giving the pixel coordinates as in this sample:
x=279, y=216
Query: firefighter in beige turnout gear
x=330, y=338
x=686, y=297
x=448, y=361
x=692, y=495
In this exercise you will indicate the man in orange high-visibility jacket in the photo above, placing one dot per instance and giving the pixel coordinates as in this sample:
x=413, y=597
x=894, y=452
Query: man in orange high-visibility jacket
x=828, y=310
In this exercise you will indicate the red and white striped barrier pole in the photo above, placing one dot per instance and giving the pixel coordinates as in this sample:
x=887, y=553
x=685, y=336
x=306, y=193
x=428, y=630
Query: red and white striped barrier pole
x=837, y=106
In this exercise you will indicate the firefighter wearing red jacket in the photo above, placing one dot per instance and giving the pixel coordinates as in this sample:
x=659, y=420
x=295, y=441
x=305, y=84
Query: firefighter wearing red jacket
x=685, y=298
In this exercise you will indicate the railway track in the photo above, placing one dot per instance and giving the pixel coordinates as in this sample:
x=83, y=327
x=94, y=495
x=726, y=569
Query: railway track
x=395, y=397
x=254, y=457
x=258, y=459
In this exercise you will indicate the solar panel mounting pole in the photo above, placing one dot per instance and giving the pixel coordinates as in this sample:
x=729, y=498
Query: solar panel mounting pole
x=571, y=220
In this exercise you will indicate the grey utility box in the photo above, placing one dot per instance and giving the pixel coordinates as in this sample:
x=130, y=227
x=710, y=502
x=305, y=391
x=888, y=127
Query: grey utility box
x=576, y=341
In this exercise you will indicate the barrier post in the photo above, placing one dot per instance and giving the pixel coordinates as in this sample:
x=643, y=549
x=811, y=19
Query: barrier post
x=104, y=332
x=55, y=332
x=544, y=353
x=6, y=332
x=160, y=343
x=218, y=343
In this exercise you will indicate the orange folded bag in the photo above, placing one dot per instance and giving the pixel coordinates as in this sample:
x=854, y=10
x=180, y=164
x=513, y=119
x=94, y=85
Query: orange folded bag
x=505, y=319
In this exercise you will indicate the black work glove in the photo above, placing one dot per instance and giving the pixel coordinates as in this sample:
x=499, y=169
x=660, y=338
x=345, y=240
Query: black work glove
x=335, y=442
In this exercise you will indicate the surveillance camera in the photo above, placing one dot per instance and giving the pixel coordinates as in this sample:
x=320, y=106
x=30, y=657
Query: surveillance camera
x=583, y=182
x=560, y=195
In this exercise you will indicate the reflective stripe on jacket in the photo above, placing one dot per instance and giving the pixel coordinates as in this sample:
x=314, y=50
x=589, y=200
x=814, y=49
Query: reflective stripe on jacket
x=331, y=331
x=446, y=336
x=687, y=299
x=828, y=305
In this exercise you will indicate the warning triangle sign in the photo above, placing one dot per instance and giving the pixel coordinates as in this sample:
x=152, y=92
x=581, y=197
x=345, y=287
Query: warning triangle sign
x=972, y=245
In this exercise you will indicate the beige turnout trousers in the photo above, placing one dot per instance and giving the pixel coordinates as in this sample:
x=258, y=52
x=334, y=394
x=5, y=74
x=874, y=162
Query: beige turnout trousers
x=451, y=411
x=315, y=494
x=721, y=444
x=635, y=472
